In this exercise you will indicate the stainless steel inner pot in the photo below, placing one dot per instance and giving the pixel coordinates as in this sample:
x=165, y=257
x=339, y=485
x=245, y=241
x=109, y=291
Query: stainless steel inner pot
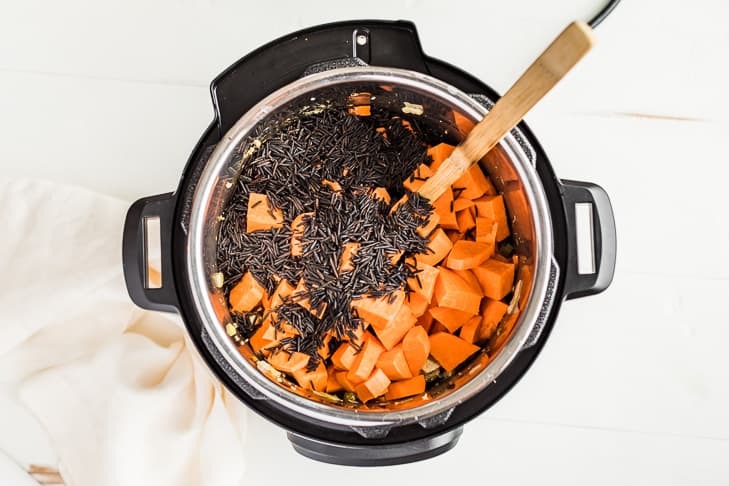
x=510, y=168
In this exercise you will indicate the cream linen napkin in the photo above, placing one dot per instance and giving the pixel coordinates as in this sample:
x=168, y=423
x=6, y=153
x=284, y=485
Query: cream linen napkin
x=122, y=393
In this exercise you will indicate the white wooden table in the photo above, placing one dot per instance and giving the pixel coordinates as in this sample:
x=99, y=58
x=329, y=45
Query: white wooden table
x=633, y=386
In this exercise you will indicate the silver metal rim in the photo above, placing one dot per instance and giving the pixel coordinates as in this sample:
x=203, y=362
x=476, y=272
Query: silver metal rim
x=197, y=275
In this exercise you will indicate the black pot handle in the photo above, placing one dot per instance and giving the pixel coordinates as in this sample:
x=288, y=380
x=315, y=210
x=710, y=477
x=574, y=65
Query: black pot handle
x=596, y=277
x=134, y=253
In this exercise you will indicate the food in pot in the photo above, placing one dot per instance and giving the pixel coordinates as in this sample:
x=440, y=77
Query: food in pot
x=340, y=290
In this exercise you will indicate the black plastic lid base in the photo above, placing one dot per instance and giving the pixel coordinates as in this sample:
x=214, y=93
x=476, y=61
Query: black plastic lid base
x=375, y=455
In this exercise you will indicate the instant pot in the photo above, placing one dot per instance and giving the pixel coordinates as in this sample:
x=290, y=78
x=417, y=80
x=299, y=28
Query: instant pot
x=317, y=68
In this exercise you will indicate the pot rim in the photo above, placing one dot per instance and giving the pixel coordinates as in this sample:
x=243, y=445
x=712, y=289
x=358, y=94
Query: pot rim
x=198, y=276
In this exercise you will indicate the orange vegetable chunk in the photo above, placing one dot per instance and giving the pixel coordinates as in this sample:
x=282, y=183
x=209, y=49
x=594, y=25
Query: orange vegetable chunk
x=440, y=245
x=373, y=387
x=343, y=358
x=492, y=311
x=379, y=311
x=486, y=230
x=461, y=204
x=493, y=207
x=288, y=362
x=474, y=183
x=452, y=319
x=312, y=380
x=425, y=321
x=496, y=278
x=406, y=388
x=465, y=221
x=381, y=193
x=424, y=281
x=454, y=292
x=246, y=294
x=298, y=226
x=344, y=382
x=394, y=364
x=360, y=110
x=464, y=124
x=449, y=350
x=416, y=348
x=365, y=360
x=393, y=332
x=444, y=208
x=468, y=254
x=284, y=289
x=430, y=226
x=439, y=153
x=260, y=216
x=470, y=330
x=417, y=178
x=333, y=385
x=298, y=296
x=345, y=261
x=418, y=304
x=471, y=279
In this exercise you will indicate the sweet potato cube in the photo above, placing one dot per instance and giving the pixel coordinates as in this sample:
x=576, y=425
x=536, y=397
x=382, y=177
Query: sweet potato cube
x=474, y=183
x=439, y=153
x=492, y=311
x=439, y=246
x=300, y=296
x=394, y=364
x=312, y=380
x=393, y=332
x=288, y=362
x=343, y=358
x=449, y=350
x=373, y=387
x=423, y=282
x=348, y=252
x=486, y=230
x=379, y=311
x=260, y=215
x=470, y=330
x=452, y=319
x=496, y=278
x=454, y=292
x=246, y=294
x=444, y=208
x=493, y=207
x=417, y=178
x=467, y=255
x=406, y=388
x=418, y=304
x=365, y=360
x=416, y=348
x=298, y=227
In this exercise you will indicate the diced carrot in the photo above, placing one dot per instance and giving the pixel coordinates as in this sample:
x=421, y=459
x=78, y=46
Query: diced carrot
x=406, y=388
x=379, y=311
x=343, y=358
x=425, y=321
x=259, y=340
x=465, y=221
x=393, y=333
x=312, y=380
x=474, y=183
x=341, y=377
x=348, y=252
x=423, y=282
x=492, y=311
x=440, y=245
x=276, y=335
x=394, y=364
x=260, y=216
x=430, y=226
x=416, y=348
x=246, y=294
x=360, y=110
x=443, y=207
x=365, y=360
x=461, y=204
x=469, y=331
x=471, y=279
x=288, y=362
x=417, y=178
x=298, y=226
x=418, y=304
x=493, y=207
x=486, y=230
x=333, y=385
x=468, y=254
x=439, y=153
x=284, y=289
x=373, y=387
x=333, y=185
x=464, y=124
x=454, y=292
x=496, y=278
x=299, y=296
x=381, y=193
x=449, y=350
x=452, y=319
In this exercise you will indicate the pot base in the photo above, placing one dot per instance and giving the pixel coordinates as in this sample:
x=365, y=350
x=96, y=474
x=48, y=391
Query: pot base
x=375, y=455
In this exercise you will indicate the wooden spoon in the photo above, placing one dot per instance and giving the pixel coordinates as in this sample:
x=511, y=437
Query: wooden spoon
x=544, y=73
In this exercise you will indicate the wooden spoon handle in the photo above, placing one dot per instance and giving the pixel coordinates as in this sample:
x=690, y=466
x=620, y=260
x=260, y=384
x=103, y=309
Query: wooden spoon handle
x=545, y=72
